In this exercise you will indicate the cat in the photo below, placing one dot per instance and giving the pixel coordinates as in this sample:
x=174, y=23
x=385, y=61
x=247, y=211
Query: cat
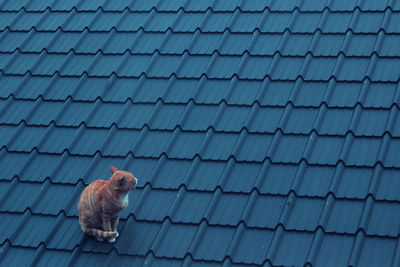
x=102, y=202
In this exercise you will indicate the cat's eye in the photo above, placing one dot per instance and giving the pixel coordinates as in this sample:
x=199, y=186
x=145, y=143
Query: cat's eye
x=122, y=181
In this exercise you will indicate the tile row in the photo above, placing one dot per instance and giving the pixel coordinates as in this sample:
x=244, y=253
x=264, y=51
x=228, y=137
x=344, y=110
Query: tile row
x=210, y=145
x=221, y=6
x=266, y=92
x=202, y=43
x=24, y=256
x=218, y=209
x=202, y=242
x=214, y=66
x=267, y=178
x=200, y=117
x=209, y=21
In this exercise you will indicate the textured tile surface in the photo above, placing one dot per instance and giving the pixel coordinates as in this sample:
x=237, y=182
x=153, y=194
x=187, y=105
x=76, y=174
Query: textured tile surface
x=262, y=132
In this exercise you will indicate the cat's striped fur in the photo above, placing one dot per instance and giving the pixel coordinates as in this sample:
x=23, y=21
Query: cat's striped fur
x=102, y=202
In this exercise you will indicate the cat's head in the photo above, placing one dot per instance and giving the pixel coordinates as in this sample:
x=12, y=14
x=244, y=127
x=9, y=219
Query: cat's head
x=122, y=181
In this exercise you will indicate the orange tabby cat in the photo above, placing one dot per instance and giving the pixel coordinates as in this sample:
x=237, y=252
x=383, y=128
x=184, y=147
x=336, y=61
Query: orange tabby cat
x=102, y=202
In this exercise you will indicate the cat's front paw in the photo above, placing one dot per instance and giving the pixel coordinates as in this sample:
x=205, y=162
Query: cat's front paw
x=117, y=235
x=111, y=240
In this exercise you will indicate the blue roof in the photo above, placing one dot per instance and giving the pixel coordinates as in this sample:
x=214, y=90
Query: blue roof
x=262, y=132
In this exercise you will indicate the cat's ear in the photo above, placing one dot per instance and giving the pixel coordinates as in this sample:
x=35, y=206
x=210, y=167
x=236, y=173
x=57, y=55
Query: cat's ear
x=113, y=169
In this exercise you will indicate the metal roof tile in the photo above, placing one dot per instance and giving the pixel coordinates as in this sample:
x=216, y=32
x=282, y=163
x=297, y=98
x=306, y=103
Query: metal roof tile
x=377, y=251
x=233, y=44
x=364, y=151
x=242, y=177
x=306, y=22
x=233, y=119
x=391, y=157
x=337, y=22
x=26, y=21
x=386, y=69
x=142, y=42
x=245, y=22
x=19, y=256
x=22, y=196
x=335, y=249
x=259, y=218
x=336, y=121
x=153, y=144
x=301, y=120
x=206, y=175
x=345, y=216
x=290, y=149
x=319, y=68
x=176, y=241
x=224, y=67
x=181, y=92
x=67, y=236
x=389, y=45
x=136, y=237
x=266, y=44
x=302, y=242
x=384, y=219
x=137, y=65
x=354, y=183
x=155, y=206
x=326, y=150
x=15, y=113
x=171, y=173
x=6, y=18
x=388, y=181
x=362, y=45
x=305, y=213
x=192, y=207
x=345, y=94
x=218, y=22
x=253, y=246
x=369, y=22
x=220, y=147
x=188, y=22
x=78, y=21
x=276, y=22
x=53, y=21
x=150, y=91
x=212, y=92
x=55, y=199
x=186, y=145
x=34, y=230
x=353, y=69
x=200, y=118
x=178, y=43
x=330, y=45
x=316, y=181
x=297, y=45
x=288, y=68
x=256, y=68
x=229, y=209
x=214, y=243
x=255, y=147
x=13, y=40
x=245, y=92
x=278, y=179
x=20, y=65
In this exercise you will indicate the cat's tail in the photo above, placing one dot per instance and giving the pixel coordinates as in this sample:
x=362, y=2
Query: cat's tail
x=99, y=234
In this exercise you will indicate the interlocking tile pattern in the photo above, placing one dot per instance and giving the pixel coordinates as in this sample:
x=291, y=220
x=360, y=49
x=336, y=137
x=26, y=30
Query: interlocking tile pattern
x=262, y=132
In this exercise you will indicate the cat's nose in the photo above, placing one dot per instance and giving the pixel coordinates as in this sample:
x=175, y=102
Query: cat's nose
x=135, y=180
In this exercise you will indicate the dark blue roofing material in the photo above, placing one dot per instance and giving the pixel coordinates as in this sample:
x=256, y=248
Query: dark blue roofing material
x=263, y=132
